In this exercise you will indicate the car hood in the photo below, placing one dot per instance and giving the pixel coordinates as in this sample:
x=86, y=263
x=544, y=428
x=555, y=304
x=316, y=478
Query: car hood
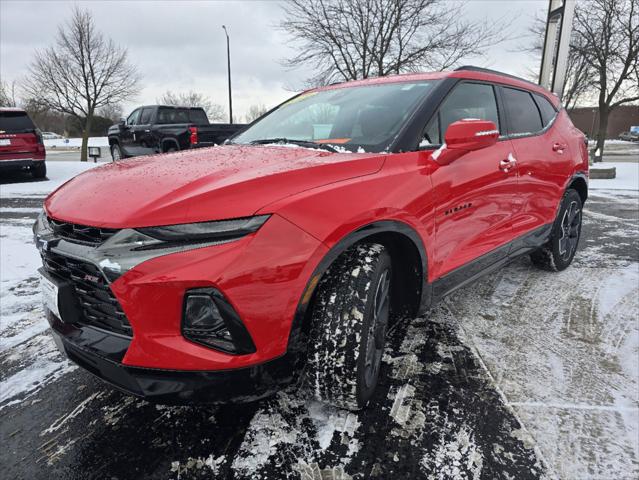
x=229, y=181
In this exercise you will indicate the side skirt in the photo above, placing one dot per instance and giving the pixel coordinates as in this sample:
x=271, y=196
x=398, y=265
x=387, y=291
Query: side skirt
x=489, y=262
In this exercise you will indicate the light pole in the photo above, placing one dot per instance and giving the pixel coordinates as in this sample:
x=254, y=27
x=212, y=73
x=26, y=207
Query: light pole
x=228, y=60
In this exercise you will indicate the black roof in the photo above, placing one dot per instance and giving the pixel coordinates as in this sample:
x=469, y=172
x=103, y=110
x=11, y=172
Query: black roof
x=473, y=68
x=169, y=106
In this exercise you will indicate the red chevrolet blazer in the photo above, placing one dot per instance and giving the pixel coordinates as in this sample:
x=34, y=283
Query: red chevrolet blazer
x=21, y=144
x=225, y=273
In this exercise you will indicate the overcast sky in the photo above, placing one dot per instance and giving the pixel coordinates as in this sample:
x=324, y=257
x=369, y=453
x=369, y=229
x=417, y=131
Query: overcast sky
x=180, y=45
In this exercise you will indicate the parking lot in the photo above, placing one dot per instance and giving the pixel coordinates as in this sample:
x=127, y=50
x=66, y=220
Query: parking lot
x=525, y=374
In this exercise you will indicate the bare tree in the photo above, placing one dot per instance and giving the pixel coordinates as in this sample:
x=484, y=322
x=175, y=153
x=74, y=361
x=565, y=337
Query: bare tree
x=352, y=39
x=255, y=111
x=608, y=41
x=8, y=96
x=82, y=73
x=113, y=112
x=580, y=82
x=213, y=110
x=45, y=118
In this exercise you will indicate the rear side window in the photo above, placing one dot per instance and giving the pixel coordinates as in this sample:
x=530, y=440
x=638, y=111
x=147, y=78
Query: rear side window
x=467, y=100
x=546, y=109
x=15, y=122
x=145, y=118
x=198, y=116
x=173, y=115
x=523, y=114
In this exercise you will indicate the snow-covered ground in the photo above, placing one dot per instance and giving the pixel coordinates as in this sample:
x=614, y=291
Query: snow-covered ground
x=75, y=142
x=57, y=174
x=616, y=146
x=614, y=141
x=523, y=374
x=627, y=177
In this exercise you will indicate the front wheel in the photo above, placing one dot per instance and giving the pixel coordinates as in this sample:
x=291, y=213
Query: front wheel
x=349, y=319
x=558, y=252
x=116, y=152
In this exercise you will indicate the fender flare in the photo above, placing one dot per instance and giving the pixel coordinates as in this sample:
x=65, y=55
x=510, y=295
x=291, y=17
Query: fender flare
x=297, y=336
x=166, y=141
x=579, y=178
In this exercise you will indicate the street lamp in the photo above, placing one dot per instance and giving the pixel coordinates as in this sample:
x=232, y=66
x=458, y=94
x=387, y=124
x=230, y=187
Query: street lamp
x=228, y=59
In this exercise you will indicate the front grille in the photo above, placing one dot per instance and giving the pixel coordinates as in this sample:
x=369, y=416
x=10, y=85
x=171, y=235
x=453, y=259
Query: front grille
x=81, y=233
x=99, y=306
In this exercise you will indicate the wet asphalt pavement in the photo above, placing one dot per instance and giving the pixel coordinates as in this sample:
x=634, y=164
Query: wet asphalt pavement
x=468, y=391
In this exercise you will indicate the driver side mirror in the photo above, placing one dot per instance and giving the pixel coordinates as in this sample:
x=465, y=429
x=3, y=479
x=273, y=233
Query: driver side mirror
x=465, y=136
x=122, y=122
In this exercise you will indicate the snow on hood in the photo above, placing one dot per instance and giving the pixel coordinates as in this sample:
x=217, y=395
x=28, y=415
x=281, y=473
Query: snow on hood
x=199, y=185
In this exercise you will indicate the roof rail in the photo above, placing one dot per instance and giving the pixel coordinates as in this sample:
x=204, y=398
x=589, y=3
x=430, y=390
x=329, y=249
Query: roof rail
x=472, y=68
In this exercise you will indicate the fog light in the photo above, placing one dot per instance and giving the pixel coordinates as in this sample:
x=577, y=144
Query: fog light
x=202, y=314
x=208, y=319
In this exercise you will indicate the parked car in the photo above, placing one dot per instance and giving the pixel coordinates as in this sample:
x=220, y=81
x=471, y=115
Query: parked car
x=21, y=143
x=162, y=128
x=283, y=255
x=630, y=136
x=51, y=136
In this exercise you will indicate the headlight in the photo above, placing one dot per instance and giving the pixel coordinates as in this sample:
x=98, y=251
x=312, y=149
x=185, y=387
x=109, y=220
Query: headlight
x=206, y=231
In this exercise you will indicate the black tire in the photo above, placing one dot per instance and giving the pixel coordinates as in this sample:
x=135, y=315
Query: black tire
x=561, y=247
x=349, y=320
x=169, y=147
x=116, y=152
x=39, y=169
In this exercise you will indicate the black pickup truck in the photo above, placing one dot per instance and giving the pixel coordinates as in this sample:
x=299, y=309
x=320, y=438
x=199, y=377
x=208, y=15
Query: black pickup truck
x=162, y=128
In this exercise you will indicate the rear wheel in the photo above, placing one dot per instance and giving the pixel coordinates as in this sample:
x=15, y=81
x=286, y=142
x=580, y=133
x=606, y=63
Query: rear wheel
x=39, y=169
x=169, y=146
x=561, y=247
x=116, y=152
x=349, y=319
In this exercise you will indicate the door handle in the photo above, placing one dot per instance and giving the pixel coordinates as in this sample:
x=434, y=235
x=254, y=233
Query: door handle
x=558, y=147
x=508, y=163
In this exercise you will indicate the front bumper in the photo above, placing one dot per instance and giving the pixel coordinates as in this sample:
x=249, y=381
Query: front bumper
x=263, y=276
x=98, y=351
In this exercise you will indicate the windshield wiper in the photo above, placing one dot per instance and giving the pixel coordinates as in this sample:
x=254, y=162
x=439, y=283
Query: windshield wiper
x=301, y=143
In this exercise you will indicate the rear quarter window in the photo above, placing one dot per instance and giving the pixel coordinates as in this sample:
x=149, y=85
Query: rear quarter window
x=523, y=115
x=546, y=109
x=15, y=122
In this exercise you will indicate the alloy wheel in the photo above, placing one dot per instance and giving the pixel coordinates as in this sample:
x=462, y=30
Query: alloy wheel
x=570, y=228
x=377, y=328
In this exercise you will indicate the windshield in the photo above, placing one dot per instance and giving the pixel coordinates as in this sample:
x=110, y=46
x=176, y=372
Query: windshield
x=367, y=117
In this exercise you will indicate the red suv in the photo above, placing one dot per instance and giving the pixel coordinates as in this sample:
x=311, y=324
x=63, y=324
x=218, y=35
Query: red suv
x=279, y=257
x=21, y=143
